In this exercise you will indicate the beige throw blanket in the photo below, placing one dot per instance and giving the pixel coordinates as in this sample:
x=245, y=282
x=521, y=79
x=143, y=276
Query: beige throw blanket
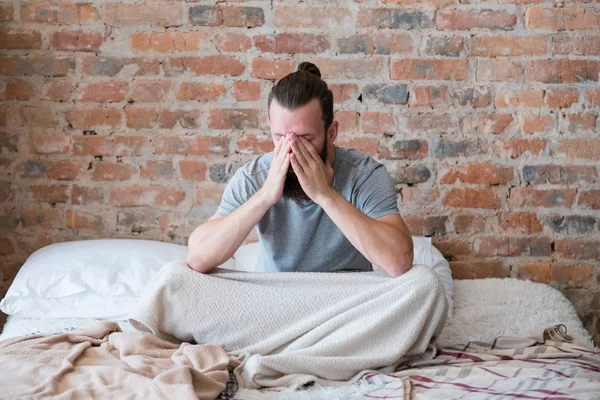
x=104, y=363
x=290, y=329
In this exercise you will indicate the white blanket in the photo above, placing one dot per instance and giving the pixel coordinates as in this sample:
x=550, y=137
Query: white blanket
x=292, y=329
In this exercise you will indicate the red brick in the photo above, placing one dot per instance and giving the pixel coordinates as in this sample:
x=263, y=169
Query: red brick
x=147, y=13
x=200, y=91
x=426, y=226
x=246, y=91
x=111, y=66
x=482, y=173
x=428, y=96
x=209, y=65
x=450, y=46
x=50, y=193
x=581, y=123
x=45, y=141
x=191, y=145
x=395, y=18
x=589, y=199
x=140, y=118
x=465, y=197
x=18, y=90
x=243, y=17
x=499, y=71
x=6, y=246
x=33, y=217
x=110, y=146
x=478, y=269
x=108, y=171
x=480, y=18
x=82, y=195
x=375, y=122
x=292, y=43
x=252, y=145
x=132, y=196
x=6, y=12
x=376, y=43
x=537, y=123
x=578, y=249
x=80, y=220
x=76, y=13
x=157, y=170
x=351, y=68
x=451, y=249
x=348, y=120
x=20, y=39
x=410, y=149
x=104, y=92
x=42, y=117
x=167, y=42
x=428, y=122
x=233, y=118
x=580, y=45
x=192, y=170
x=187, y=119
x=467, y=223
x=230, y=42
x=592, y=97
x=487, y=123
x=557, y=19
x=508, y=46
x=562, y=98
x=38, y=11
x=535, y=271
x=418, y=196
x=560, y=174
x=562, y=71
x=311, y=17
x=573, y=274
x=433, y=69
x=516, y=148
x=369, y=145
x=515, y=223
x=86, y=118
x=57, y=91
x=271, y=69
x=577, y=148
x=39, y=65
x=512, y=246
x=77, y=41
x=65, y=170
x=343, y=92
x=150, y=91
x=520, y=98
x=529, y=197
x=3, y=115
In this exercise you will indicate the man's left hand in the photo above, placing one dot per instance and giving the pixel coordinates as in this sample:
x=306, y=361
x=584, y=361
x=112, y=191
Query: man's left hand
x=314, y=175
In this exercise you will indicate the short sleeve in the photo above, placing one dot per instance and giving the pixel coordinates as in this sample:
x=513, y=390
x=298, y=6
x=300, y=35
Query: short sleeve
x=376, y=195
x=238, y=190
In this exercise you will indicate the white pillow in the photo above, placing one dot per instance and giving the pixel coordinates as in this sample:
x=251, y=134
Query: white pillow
x=101, y=278
x=246, y=259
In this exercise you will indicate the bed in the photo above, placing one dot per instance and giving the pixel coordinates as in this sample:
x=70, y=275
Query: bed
x=504, y=337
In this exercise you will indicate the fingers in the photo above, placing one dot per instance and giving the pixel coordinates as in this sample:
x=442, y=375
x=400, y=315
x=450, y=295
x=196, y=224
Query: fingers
x=296, y=165
x=310, y=148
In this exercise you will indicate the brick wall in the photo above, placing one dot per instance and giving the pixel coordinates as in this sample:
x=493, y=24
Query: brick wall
x=126, y=118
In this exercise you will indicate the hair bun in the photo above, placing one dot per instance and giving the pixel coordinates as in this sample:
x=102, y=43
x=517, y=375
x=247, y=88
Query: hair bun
x=309, y=67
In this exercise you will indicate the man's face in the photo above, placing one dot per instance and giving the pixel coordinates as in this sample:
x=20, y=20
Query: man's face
x=306, y=121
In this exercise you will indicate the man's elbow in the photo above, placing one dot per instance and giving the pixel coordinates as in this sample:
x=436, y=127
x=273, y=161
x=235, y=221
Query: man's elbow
x=401, y=265
x=198, y=263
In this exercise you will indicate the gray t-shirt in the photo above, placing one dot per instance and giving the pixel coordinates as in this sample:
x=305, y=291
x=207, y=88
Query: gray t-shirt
x=301, y=236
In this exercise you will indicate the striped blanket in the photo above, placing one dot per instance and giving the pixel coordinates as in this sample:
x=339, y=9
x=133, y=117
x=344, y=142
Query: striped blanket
x=519, y=368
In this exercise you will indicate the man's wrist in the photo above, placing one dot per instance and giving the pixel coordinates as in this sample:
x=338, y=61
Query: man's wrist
x=328, y=199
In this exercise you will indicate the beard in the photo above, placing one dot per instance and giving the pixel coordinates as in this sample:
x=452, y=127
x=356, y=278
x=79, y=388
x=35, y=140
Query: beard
x=292, y=189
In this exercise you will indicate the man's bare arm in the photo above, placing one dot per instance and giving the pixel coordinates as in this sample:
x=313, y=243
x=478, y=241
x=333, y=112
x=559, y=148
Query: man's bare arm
x=215, y=241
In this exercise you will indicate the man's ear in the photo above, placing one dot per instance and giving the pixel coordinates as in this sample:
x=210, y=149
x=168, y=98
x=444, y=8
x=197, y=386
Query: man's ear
x=332, y=132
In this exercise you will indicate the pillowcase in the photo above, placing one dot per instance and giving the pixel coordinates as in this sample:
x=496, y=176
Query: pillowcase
x=101, y=278
x=246, y=259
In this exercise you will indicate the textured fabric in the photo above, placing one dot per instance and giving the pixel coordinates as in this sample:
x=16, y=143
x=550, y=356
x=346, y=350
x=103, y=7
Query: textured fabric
x=296, y=328
x=104, y=363
x=298, y=236
x=503, y=368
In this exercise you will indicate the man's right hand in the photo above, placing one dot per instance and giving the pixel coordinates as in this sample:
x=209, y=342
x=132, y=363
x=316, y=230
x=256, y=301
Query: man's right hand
x=272, y=189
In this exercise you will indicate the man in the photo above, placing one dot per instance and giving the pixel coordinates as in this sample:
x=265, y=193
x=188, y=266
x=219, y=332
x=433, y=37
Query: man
x=317, y=206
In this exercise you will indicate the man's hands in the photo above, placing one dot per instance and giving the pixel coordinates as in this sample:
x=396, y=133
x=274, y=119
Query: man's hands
x=314, y=175
x=272, y=189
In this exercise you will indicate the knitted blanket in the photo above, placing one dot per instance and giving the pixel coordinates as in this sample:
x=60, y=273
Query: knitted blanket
x=294, y=329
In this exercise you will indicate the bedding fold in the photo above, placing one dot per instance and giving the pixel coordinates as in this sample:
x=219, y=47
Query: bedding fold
x=105, y=363
x=294, y=329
